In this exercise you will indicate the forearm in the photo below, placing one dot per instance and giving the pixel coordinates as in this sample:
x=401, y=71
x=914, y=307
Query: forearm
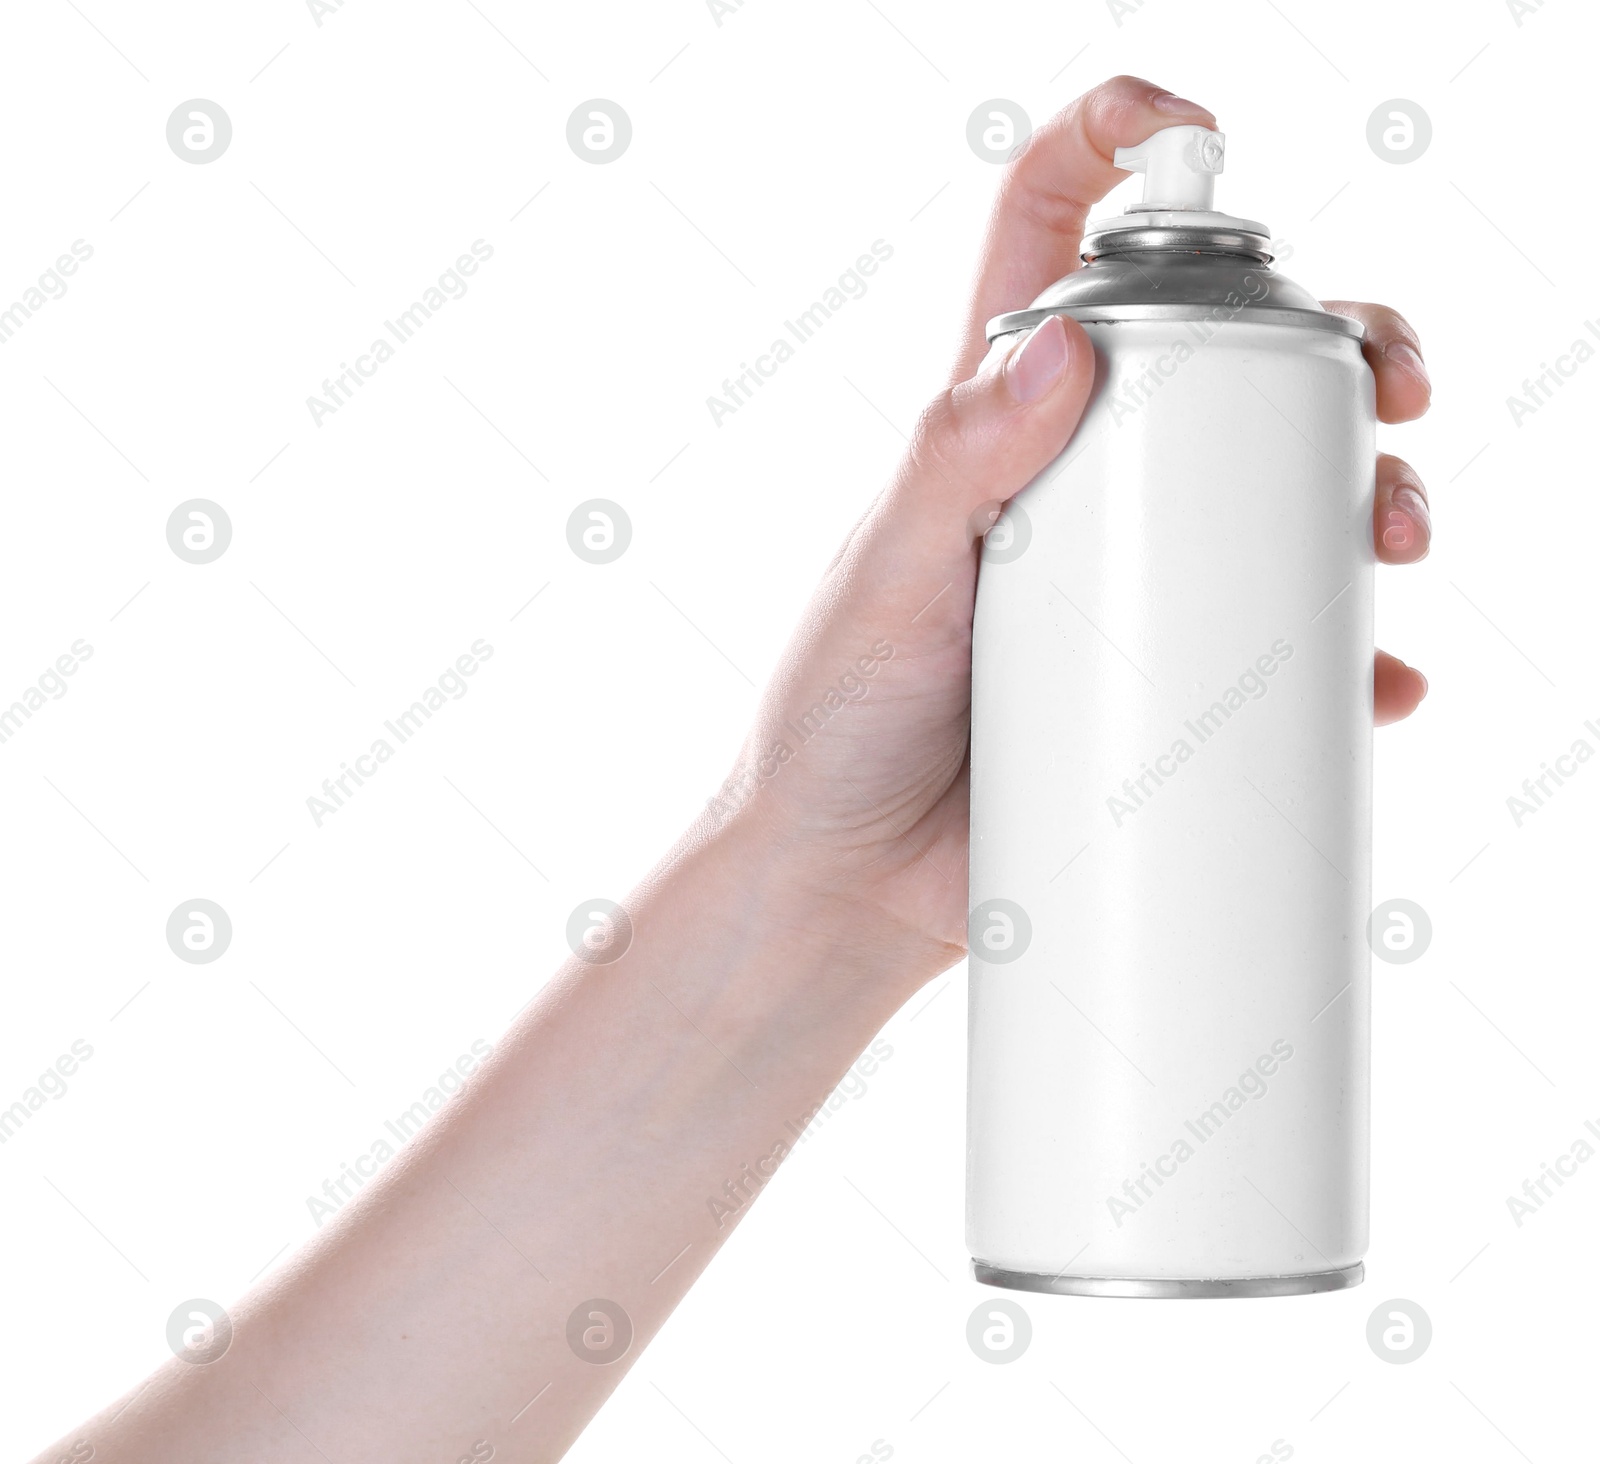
x=592, y=1156
x=580, y=1163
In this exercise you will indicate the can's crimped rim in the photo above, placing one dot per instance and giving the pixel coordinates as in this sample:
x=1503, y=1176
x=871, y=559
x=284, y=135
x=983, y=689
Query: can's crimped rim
x=1323, y=320
x=1174, y=1289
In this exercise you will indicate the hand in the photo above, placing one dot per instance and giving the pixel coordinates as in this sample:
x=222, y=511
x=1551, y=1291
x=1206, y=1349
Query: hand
x=761, y=963
x=875, y=804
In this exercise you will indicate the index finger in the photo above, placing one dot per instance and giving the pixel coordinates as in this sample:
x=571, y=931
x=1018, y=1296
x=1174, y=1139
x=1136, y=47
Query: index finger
x=1064, y=170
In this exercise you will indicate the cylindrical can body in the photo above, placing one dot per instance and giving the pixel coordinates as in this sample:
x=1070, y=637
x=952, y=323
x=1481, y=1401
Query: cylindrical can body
x=1171, y=827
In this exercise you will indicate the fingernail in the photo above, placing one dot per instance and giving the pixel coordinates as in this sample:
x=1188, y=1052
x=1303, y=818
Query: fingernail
x=1406, y=358
x=1035, y=366
x=1423, y=679
x=1166, y=102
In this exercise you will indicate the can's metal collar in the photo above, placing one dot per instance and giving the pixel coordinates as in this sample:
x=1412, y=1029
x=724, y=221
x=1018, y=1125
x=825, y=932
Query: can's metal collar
x=1177, y=265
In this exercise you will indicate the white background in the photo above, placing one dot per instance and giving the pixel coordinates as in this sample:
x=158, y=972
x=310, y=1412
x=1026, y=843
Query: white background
x=768, y=153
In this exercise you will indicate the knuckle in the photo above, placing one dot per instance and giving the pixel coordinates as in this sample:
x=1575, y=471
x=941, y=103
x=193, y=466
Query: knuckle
x=1384, y=324
x=938, y=442
x=1124, y=87
x=1392, y=325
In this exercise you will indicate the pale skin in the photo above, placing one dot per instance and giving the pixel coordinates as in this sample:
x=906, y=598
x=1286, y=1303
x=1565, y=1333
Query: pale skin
x=769, y=947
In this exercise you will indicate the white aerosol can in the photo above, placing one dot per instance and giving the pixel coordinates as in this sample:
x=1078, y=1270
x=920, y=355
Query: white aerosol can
x=1171, y=782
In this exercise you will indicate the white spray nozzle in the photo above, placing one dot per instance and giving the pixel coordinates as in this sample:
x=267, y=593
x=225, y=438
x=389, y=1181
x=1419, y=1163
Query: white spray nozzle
x=1180, y=167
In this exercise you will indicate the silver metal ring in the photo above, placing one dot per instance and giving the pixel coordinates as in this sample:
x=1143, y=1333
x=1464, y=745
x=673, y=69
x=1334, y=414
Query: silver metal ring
x=1015, y=320
x=1171, y=240
x=1196, y=1289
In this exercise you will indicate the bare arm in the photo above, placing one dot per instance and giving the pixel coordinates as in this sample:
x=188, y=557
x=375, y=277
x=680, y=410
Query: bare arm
x=595, y=1158
x=578, y=1164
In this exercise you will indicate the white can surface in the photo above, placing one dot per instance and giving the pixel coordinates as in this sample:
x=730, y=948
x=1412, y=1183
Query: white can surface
x=1171, y=812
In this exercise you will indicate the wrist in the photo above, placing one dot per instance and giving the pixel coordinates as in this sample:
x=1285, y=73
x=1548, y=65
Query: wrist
x=815, y=930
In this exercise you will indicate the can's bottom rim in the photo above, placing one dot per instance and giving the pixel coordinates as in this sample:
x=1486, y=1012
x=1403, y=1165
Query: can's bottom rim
x=1171, y=1288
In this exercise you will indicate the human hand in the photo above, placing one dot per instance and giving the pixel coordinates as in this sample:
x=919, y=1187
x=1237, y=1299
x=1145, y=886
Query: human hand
x=871, y=700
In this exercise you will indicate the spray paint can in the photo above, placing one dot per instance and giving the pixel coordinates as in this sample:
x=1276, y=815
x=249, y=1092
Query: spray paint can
x=1171, y=782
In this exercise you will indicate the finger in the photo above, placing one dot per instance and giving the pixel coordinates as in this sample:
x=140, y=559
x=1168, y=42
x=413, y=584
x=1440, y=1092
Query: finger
x=1065, y=168
x=1397, y=689
x=1402, y=529
x=1394, y=353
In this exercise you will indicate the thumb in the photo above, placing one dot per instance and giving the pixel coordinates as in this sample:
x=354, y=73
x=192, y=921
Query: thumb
x=984, y=439
x=976, y=444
